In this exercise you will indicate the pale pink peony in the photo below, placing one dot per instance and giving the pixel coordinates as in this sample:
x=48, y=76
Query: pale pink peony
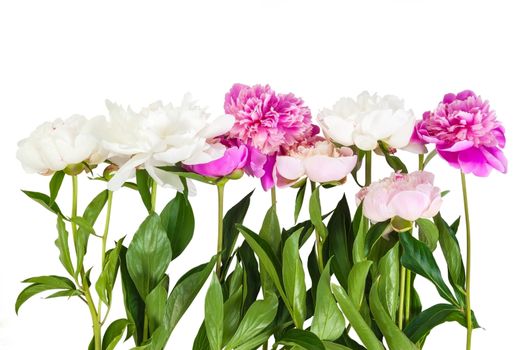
x=266, y=120
x=466, y=133
x=320, y=161
x=408, y=196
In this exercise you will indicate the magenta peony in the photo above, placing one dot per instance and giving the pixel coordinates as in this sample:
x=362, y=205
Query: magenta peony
x=466, y=133
x=408, y=196
x=269, y=124
x=234, y=158
x=320, y=162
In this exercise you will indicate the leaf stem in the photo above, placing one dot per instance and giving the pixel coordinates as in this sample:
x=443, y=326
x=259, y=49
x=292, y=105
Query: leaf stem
x=467, y=285
x=402, y=296
x=219, y=247
x=368, y=180
x=104, y=247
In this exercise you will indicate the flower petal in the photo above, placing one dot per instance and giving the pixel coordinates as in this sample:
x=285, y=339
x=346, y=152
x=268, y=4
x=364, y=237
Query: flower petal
x=409, y=205
x=322, y=168
x=290, y=168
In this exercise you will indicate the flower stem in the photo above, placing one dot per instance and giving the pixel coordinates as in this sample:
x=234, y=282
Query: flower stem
x=467, y=285
x=368, y=168
x=154, y=188
x=319, y=243
x=421, y=161
x=97, y=331
x=273, y=197
x=219, y=247
x=104, y=245
x=402, y=296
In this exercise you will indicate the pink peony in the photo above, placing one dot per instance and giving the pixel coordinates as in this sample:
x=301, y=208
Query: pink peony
x=408, y=196
x=266, y=120
x=466, y=133
x=234, y=158
x=320, y=162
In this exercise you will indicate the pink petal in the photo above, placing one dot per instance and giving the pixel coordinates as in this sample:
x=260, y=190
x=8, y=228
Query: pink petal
x=450, y=157
x=267, y=180
x=495, y=158
x=290, y=168
x=473, y=161
x=409, y=205
x=326, y=169
x=375, y=206
x=459, y=146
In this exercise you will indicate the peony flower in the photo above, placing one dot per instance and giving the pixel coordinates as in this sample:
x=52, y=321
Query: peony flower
x=60, y=144
x=466, y=133
x=320, y=162
x=408, y=196
x=368, y=119
x=234, y=158
x=161, y=135
x=268, y=124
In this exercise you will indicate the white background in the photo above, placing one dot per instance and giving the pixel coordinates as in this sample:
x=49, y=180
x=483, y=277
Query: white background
x=58, y=59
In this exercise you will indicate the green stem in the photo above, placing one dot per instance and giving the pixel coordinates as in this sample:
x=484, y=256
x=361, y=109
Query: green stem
x=154, y=187
x=467, y=285
x=273, y=197
x=97, y=329
x=402, y=296
x=319, y=243
x=145, y=329
x=104, y=246
x=421, y=161
x=219, y=247
x=407, y=296
x=368, y=180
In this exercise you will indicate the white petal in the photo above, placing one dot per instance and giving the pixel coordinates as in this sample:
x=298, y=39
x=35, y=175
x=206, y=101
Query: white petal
x=338, y=129
x=126, y=171
x=217, y=127
x=365, y=142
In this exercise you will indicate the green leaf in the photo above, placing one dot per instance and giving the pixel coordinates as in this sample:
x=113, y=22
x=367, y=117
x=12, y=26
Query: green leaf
x=334, y=346
x=143, y=182
x=54, y=186
x=300, y=195
x=428, y=233
x=394, y=162
x=155, y=305
x=294, y=279
x=42, y=284
x=374, y=234
x=257, y=318
x=357, y=321
x=44, y=200
x=149, y=255
x=214, y=314
x=420, y=326
x=256, y=341
x=201, y=342
x=232, y=314
x=234, y=216
x=315, y=213
x=452, y=253
x=396, y=339
x=114, y=333
x=134, y=305
x=302, y=339
x=88, y=219
x=180, y=299
x=341, y=240
x=389, y=269
x=417, y=257
x=105, y=284
x=251, y=275
x=328, y=322
x=270, y=233
x=63, y=245
x=358, y=250
x=178, y=221
x=65, y=293
x=269, y=262
x=356, y=282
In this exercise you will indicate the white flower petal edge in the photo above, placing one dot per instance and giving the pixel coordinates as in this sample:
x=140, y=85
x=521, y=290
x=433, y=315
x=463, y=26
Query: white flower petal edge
x=161, y=135
x=368, y=119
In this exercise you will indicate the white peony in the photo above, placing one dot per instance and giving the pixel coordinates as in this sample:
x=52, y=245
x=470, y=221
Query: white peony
x=161, y=135
x=54, y=146
x=368, y=119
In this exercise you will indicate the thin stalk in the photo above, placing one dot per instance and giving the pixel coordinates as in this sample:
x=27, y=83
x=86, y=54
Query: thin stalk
x=402, y=296
x=273, y=202
x=319, y=243
x=104, y=246
x=97, y=329
x=467, y=285
x=154, y=188
x=368, y=180
x=219, y=246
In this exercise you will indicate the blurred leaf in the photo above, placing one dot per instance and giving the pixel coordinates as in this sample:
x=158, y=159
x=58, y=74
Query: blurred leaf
x=376, y=231
x=394, y=162
x=143, y=182
x=54, y=186
x=114, y=333
x=214, y=314
x=300, y=195
x=63, y=245
x=155, y=305
x=294, y=279
x=315, y=213
x=302, y=339
x=428, y=233
x=357, y=280
x=105, y=284
x=389, y=268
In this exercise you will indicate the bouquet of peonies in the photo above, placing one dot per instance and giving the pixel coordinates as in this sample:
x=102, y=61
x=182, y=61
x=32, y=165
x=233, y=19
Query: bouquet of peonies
x=360, y=292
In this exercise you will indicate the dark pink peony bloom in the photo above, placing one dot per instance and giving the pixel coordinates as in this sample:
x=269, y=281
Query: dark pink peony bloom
x=268, y=124
x=234, y=158
x=266, y=120
x=466, y=133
